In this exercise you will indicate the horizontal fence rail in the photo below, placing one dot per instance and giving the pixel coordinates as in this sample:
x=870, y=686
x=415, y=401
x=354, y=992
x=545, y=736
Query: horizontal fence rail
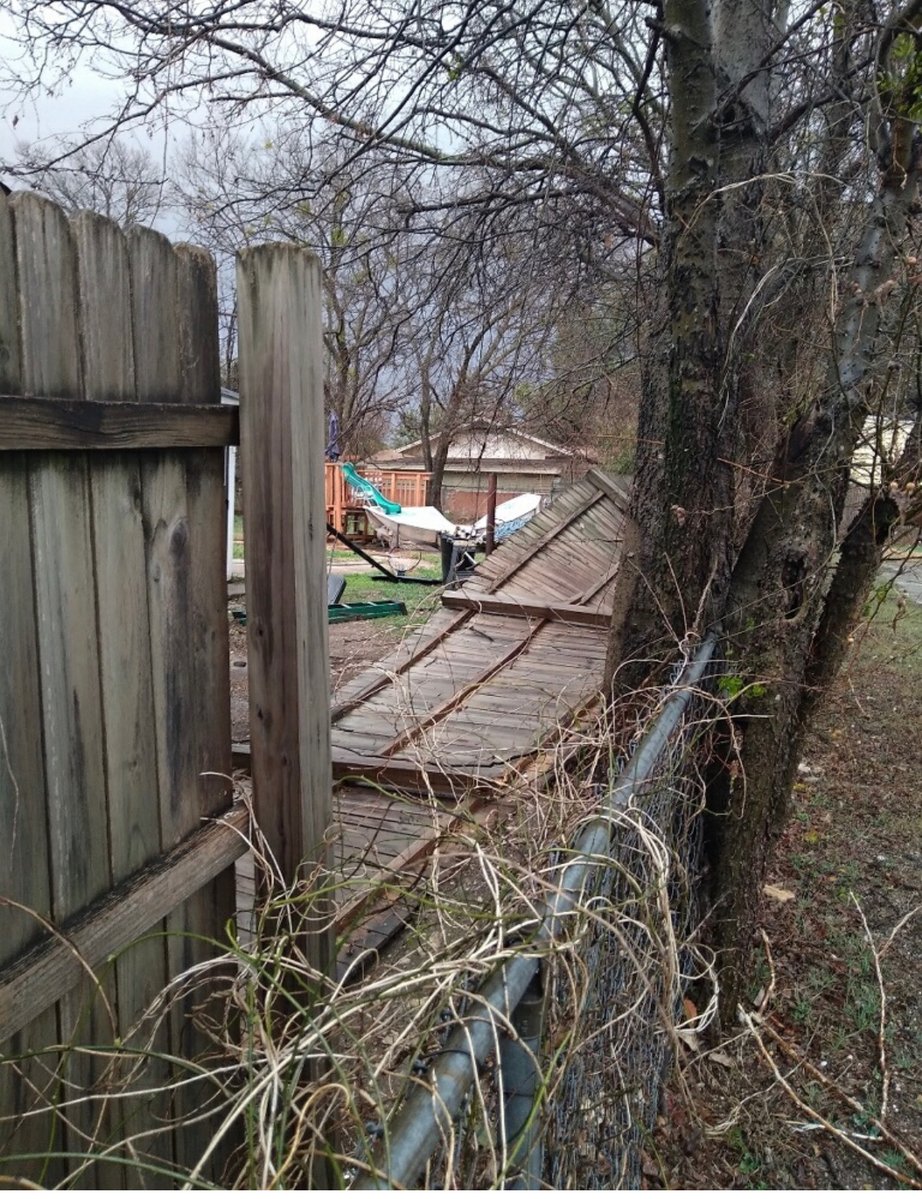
x=502, y=1018
x=44, y=423
x=59, y=962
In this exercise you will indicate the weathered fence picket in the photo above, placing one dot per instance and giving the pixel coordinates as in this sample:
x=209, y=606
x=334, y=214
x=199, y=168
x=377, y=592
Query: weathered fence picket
x=114, y=716
x=125, y=671
x=282, y=439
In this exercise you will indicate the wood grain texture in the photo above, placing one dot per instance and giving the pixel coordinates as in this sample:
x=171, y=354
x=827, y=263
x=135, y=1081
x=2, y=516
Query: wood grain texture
x=71, y=701
x=65, y=592
x=67, y=631
x=52, y=968
x=46, y=272
x=181, y=642
x=104, y=291
x=505, y=606
x=282, y=444
x=615, y=493
x=185, y=641
x=10, y=365
x=26, y=1080
x=104, y=309
x=38, y=423
x=24, y=868
x=154, y=318
x=523, y=552
x=197, y=304
x=24, y=872
x=183, y=507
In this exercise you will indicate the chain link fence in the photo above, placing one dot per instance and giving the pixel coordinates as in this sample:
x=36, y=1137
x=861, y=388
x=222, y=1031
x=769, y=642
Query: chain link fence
x=550, y=1075
x=616, y=999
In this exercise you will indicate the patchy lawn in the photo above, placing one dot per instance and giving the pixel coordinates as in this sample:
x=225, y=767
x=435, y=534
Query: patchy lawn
x=838, y=972
x=354, y=645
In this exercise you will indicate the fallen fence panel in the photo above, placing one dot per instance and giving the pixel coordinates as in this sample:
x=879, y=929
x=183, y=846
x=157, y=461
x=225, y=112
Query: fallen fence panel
x=424, y=1122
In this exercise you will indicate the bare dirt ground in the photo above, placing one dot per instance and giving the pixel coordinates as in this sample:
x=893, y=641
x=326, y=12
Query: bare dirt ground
x=841, y=999
x=353, y=647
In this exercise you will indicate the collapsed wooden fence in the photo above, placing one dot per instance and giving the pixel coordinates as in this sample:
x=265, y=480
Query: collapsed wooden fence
x=115, y=744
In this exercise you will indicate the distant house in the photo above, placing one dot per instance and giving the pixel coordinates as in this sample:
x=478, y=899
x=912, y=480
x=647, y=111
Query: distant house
x=882, y=442
x=520, y=461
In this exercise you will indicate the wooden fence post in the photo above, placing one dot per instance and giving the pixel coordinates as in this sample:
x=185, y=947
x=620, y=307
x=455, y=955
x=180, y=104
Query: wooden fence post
x=490, y=538
x=282, y=454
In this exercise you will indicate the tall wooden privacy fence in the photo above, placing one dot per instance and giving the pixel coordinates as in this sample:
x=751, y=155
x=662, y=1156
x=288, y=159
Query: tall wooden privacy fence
x=114, y=711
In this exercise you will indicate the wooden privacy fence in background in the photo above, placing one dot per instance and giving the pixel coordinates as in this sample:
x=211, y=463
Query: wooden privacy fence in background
x=114, y=688
x=405, y=487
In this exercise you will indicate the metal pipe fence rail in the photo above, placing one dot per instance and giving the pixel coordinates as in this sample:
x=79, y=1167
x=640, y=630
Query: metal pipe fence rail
x=572, y=1110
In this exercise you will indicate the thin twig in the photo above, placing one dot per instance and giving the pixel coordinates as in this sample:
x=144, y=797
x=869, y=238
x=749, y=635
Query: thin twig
x=833, y=1086
x=896, y=1175
x=881, y=1028
x=770, y=989
x=896, y=928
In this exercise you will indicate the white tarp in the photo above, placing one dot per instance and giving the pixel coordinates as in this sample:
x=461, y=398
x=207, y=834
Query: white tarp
x=411, y=525
x=421, y=526
x=514, y=509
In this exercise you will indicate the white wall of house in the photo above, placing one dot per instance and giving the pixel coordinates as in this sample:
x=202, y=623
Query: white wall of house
x=882, y=443
x=477, y=444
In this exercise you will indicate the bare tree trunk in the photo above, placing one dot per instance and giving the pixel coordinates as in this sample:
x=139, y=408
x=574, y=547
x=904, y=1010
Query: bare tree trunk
x=682, y=494
x=712, y=548
x=700, y=371
x=788, y=611
x=438, y=460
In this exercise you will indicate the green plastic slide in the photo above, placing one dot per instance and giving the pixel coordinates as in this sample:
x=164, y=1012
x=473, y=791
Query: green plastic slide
x=368, y=490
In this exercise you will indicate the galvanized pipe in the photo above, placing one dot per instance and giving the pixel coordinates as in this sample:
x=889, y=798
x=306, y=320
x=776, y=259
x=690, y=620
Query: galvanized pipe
x=519, y=1082
x=425, y=1118
x=422, y=1124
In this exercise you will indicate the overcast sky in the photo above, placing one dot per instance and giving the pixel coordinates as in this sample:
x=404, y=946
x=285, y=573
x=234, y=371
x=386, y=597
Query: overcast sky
x=76, y=108
x=87, y=99
x=72, y=110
